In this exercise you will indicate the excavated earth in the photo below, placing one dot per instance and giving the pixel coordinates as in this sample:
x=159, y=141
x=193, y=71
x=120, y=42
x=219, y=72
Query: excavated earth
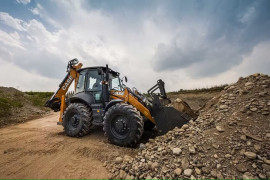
x=230, y=139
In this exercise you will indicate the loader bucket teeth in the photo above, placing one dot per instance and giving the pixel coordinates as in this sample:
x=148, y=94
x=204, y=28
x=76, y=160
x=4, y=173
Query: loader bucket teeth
x=167, y=118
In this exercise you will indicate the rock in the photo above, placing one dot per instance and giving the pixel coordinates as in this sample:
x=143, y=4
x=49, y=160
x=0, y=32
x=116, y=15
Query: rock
x=118, y=160
x=250, y=155
x=206, y=170
x=127, y=158
x=265, y=113
x=142, y=146
x=182, y=106
x=219, y=175
x=262, y=176
x=214, y=173
x=222, y=107
x=129, y=177
x=188, y=172
x=198, y=171
x=253, y=109
x=257, y=147
x=178, y=171
x=220, y=128
x=228, y=155
x=155, y=165
x=122, y=174
x=267, y=135
x=266, y=167
x=243, y=137
x=191, y=150
x=268, y=175
x=176, y=151
x=185, y=126
x=266, y=161
x=248, y=175
x=185, y=163
x=249, y=84
x=241, y=167
x=148, y=177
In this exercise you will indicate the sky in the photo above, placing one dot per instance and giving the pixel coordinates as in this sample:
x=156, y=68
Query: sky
x=186, y=43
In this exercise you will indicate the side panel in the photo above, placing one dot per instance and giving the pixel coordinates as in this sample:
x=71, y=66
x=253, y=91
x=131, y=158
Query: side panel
x=87, y=98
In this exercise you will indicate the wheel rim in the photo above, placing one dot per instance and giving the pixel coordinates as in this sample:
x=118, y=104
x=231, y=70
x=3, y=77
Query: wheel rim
x=74, y=120
x=120, y=127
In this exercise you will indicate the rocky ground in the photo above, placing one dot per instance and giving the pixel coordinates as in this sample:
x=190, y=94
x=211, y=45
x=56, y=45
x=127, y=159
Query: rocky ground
x=229, y=139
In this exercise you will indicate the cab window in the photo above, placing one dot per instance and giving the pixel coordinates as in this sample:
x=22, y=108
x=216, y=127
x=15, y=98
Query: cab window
x=81, y=80
x=94, y=81
x=115, y=83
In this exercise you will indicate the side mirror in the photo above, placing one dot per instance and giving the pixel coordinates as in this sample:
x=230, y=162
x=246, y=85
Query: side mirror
x=126, y=78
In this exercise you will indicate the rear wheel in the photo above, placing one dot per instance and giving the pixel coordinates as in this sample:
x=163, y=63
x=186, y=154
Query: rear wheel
x=77, y=120
x=123, y=125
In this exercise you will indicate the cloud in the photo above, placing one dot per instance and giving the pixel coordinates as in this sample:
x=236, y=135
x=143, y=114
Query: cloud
x=188, y=44
x=211, y=45
x=8, y=20
x=24, y=2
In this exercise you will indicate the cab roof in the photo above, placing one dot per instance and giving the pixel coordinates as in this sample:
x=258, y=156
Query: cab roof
x=100, y=67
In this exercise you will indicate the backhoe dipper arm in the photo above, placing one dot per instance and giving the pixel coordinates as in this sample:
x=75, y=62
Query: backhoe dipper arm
x=55, y=101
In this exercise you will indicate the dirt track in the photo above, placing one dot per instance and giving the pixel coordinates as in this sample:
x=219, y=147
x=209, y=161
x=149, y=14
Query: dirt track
x=40, y=149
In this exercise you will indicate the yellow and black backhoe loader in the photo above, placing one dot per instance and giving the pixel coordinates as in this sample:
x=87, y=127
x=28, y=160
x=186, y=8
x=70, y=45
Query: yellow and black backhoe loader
x=101, y=98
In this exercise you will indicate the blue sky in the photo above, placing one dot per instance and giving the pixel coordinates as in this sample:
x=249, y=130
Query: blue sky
x=187, y=43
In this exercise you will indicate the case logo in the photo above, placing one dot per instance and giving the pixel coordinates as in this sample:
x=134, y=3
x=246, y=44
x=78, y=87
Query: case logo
x=67, y=83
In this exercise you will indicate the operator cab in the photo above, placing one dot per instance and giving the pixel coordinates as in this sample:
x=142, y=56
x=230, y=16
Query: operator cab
x=92, y=82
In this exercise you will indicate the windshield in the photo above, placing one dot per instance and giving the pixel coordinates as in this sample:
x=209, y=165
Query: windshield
x=94, y=81
x=115, y=83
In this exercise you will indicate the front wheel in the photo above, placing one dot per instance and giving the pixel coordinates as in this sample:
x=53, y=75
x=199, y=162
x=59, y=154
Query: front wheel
x=123, y=125
x=77, y=120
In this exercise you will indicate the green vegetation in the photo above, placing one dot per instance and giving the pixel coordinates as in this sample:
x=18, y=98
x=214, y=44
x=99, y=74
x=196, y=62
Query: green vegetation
x=9, y=100
x=200, y=90
x=39, y=98
x=6, y=103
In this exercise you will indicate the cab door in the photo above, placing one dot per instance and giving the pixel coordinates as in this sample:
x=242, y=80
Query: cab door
x=94, y=84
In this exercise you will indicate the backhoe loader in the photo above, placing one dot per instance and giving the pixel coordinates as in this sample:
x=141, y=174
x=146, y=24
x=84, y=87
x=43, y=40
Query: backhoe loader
x=101, y=98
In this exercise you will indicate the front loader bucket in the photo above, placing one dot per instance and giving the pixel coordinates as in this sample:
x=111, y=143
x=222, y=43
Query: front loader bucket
x=167, y=118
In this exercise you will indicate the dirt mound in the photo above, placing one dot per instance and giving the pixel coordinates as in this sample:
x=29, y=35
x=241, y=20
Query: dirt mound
x=230, y=139
x=17, y=106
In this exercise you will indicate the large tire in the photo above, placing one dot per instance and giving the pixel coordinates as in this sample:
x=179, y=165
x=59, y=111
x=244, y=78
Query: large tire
x=77, y=120
x=123, y=125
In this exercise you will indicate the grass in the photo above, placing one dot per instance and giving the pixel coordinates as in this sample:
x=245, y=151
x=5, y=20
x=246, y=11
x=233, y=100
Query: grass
x=39, y=98
x=16, y=100
x=200, y=90
x=6, y=103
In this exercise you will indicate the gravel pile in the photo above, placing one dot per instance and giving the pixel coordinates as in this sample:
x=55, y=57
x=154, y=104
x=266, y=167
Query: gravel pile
x=229, y=139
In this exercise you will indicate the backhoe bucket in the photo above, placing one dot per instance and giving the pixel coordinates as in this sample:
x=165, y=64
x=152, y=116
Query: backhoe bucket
x=167, y=118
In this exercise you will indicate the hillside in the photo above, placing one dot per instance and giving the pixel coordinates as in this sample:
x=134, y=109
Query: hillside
x=18, y=107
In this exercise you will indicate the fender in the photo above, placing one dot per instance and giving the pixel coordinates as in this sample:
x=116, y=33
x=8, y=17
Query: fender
x=112, y=102
x=84, y=97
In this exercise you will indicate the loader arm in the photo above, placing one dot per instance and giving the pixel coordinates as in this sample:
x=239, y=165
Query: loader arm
x=165, y=118
x=55, y=102
x=128, y=97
